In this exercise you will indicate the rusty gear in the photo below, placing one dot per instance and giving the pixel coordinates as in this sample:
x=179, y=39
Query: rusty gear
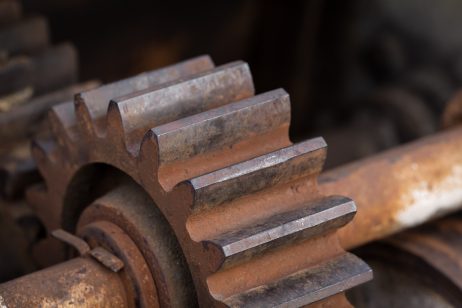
x=35, y=74
x=200, y=175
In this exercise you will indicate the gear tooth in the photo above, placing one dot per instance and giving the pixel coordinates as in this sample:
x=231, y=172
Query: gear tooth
x=87, y=125
x=216, y=133
x=142, y=110
x=288, y=164
x=43, y=152
x=62, y=116
x=222, y=126
x=91, y=106
x=148, y=157
x=316, y=218
x=308, y=286
x=63, y=124
x=115, y=126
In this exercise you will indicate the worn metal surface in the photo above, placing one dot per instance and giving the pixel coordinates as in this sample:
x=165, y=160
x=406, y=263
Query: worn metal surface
x=140, y=236
x=115, y=250
x=320, y=281
x=400, y=188
x=107, y=259
x=80, y=282
x=438, y=244
x=218, y=165
x=75, y=242
x=236, y=190
x=416, y=268
x=247, y=207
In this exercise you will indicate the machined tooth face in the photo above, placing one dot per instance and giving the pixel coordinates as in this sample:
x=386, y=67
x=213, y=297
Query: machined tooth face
x=42, y=151
x=317, y=217
x=92, y=105
x=222, y=136
x=307, y=286
x=133, y=115
x=223, y=126
x=63, y=124
x=297, y=161
x=62, y=119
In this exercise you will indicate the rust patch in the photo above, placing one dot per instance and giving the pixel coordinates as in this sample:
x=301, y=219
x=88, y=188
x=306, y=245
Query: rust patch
x=393, y=190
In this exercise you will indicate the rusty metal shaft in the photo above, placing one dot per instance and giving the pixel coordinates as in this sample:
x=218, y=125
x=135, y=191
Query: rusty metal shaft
x=400, y=188
x=78, y=282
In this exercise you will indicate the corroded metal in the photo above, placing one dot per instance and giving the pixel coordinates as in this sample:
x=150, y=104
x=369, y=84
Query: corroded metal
x=215, y=161
x=107, y=259
x=212, y=164
x=417, y=268
x=213, y=175
x=400, y=188
x=80, y=245
x=126, y=222
x=79, y=282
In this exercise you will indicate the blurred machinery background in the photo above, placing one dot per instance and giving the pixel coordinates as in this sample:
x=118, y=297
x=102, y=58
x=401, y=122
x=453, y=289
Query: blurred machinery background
x=379, y=70
x=365, y=75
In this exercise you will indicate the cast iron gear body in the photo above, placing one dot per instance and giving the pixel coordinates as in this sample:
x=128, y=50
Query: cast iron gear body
x=213, y=189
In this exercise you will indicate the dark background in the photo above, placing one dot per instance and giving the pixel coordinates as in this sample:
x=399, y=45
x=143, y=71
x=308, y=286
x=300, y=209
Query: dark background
x=366, y=75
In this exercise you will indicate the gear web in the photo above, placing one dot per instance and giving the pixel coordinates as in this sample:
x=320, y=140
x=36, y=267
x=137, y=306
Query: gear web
x=217, y=161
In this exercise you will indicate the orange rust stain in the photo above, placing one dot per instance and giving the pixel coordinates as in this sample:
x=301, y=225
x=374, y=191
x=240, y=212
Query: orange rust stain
x=335, y=301
x=382, y=186
x=173, y=173
x=251, y=209
x=273, y=266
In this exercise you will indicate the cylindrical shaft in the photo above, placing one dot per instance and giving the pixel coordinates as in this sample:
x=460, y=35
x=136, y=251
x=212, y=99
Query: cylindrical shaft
x=400, y=188
x=78, y=282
